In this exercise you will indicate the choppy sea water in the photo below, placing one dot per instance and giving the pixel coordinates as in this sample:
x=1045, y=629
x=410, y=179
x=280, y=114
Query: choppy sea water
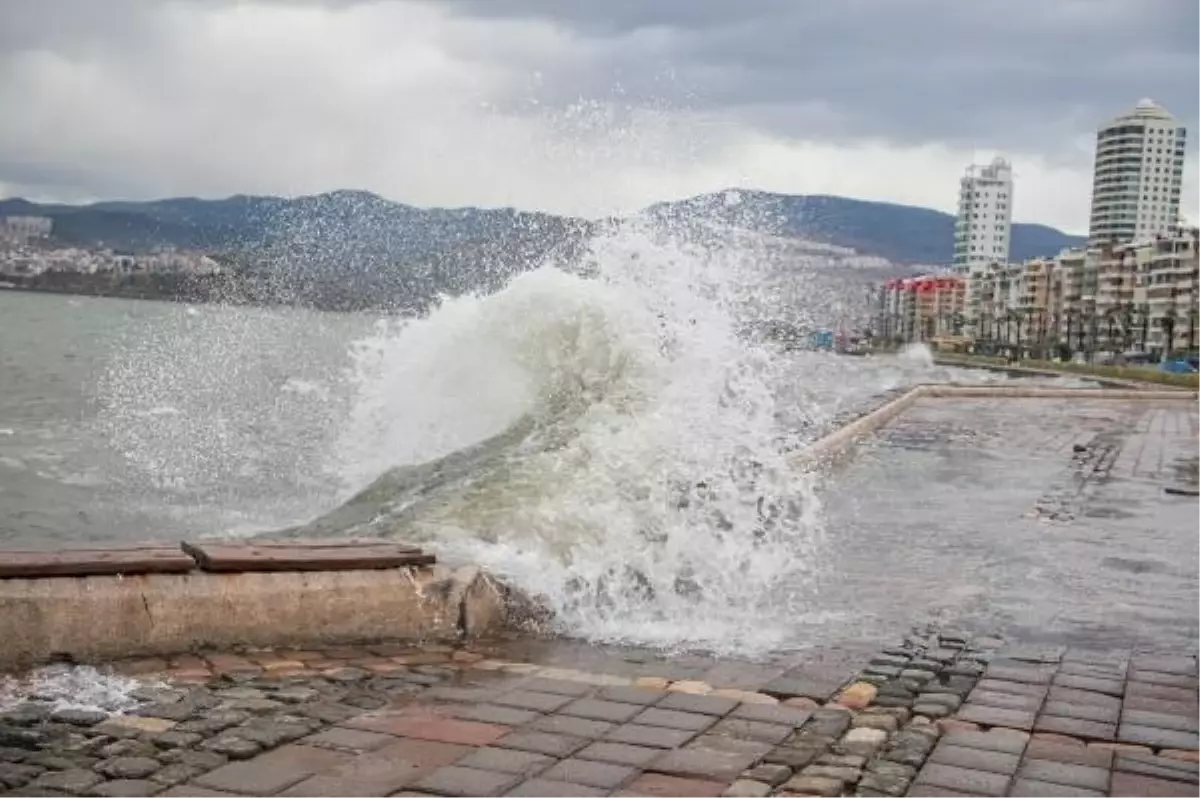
x=614, y=443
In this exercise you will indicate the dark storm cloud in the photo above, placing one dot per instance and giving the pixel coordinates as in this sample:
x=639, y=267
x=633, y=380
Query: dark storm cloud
x=986, y=73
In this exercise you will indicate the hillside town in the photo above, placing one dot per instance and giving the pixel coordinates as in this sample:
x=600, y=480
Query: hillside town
x=1131, y=293
x=28, y=250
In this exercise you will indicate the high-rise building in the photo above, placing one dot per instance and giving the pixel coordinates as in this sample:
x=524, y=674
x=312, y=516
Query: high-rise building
x=983, y=231
x=1138, y=176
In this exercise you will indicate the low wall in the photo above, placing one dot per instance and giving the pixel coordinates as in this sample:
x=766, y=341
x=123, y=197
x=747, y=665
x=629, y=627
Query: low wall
x=103, y=617
x=842, y=441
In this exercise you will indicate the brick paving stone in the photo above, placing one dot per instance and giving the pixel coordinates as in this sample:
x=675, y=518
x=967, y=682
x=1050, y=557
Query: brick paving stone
x=1165, y=679
x=575, y=727
x=701, y=704
x=1160, y=720
x=349, y=739
x=501, y=716
x=931, y=790
x=649, y=736
x=527, y=699
x=703, y=764
x=1089, y=778
x=1099, y=671
x=1094, y=712
x=1075, y=727
x=812, y=785
x=740, y=729
x=127, y=788
x=604, y=775
x=540, y=684
x=434, y=727
x=383, y=771
x=194, y=791
x=1069, y=754
x=1044, y=789
x=619, y=754
x=544, y=788
x=660, y=785
x=1132, y=784
x=997, y=716
x=672, y=719
x=1113, y=687
x=1027, y=674
x=732, y=745
x=1164, y=664
x=1019, y=688
x=1160, y=705
x=506, y=760
x=555, y=745
x=460, y=781
x=259, y=777
x=1157, y=738
x=1163, y=692
x=961, y=780
x=765, y=713
x=975, y=759
x=987, y=741
x=632, y=695
x=595, y=709
x=801, y=687
x=1157, y=767
x=989, y=698
x=1073, y=696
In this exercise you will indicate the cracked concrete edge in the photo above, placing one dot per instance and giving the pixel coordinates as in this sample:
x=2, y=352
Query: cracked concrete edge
x=107, y=617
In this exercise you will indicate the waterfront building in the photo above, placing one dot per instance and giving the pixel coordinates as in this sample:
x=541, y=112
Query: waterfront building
x=1138, y=176
x=983, y=228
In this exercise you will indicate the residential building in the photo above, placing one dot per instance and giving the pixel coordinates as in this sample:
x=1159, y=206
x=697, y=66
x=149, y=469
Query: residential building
x=1138, y=175
x=1104, y=300
x=923, y=308
x=23, y=228
x=983, y=229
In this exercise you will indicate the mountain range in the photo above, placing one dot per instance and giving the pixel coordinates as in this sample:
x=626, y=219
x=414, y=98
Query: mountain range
x=355, y=244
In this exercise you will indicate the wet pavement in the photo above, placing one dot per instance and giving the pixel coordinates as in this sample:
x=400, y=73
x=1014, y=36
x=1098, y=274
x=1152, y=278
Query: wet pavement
x=1039, y=519
x=939, y=713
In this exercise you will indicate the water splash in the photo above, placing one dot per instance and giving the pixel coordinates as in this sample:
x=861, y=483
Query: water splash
x=70, y=687
x=918, y=354
x=603, y=436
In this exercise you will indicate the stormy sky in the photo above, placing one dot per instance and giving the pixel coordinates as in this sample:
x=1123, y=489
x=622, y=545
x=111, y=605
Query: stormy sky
x=581, y=106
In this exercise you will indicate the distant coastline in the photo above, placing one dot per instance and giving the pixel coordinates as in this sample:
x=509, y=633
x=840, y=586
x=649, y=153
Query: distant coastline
x=162, y=288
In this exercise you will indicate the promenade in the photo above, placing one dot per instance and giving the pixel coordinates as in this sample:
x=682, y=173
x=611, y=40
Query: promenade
x=938, y=714
x=1058, y=532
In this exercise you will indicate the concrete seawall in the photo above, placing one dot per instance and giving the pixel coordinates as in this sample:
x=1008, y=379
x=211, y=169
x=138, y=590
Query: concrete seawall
x=103, y=617
x=841, y=442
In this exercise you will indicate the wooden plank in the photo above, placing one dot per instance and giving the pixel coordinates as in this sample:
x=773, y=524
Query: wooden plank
x=300, y=555
x=94, y=561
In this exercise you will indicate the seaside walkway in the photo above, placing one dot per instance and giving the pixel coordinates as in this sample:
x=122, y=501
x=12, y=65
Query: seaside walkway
x=938, y=714
x=1086, y=707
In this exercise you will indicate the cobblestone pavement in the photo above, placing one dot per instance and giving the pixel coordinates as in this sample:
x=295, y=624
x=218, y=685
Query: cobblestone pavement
x=1040, y=518
x=938, y=714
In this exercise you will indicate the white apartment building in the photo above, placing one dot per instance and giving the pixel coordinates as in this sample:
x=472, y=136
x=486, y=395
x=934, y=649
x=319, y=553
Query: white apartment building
x=983, y=230
x=1138, y=176
x=22, y=228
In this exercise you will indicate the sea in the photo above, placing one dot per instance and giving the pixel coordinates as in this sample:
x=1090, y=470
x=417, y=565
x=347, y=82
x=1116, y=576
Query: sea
x=609, y=439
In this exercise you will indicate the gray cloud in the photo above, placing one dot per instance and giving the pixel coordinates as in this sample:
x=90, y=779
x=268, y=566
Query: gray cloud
x=986, y=73
x=525, y=101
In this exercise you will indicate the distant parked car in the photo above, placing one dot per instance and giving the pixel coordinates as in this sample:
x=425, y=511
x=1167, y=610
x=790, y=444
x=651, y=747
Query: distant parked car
x=1181, y=365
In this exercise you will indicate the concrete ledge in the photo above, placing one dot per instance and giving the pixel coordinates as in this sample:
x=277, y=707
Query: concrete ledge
x=842, y=441
x=1030, y=371
x=1037, y=392
x=106, y=617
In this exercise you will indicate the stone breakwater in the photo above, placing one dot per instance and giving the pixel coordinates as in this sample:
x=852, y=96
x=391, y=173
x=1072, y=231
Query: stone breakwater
x=939, y=714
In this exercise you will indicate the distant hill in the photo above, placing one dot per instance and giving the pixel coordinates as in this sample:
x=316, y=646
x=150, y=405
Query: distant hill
x=904, y=234
x=347, y=249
